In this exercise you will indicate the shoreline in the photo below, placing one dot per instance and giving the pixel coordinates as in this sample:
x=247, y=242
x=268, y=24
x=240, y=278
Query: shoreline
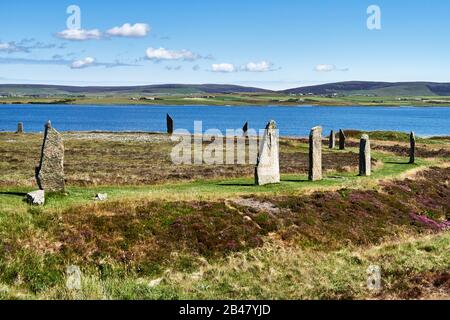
x=227, y=106
x=162, y=133
x=223, y=105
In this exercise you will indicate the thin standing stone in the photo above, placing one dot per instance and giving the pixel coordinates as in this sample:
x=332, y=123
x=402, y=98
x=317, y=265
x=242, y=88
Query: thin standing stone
x=169, y=124
x=342, y=138
x=20, y=128
x=412, y=147
x=364, y=156
x=315, y=154
x=245, y=129
x=50, y=173
x=267, y=170
x=332, y=140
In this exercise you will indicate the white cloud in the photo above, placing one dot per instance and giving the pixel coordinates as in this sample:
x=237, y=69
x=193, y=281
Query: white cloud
x=5, y=47
x=325, y=67
x=328, y=68
x=164, y=54
x=128, y=30
x=83, y=63
x=223, y=67
x=262, y=66
x=80, y=34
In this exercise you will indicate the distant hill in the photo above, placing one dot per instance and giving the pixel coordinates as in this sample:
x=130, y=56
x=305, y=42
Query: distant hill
x=342, y=88
x=377, y=88
x=32, y=89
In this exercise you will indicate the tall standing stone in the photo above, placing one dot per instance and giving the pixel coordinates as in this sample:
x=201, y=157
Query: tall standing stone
x=169, y=124
x=20, y=128
x=245, y=129
x=267, y=169
x=342, y=138
x=364, y=156
x=315, y=154
x=50, y=173
x=412, y=147
x=332, y=140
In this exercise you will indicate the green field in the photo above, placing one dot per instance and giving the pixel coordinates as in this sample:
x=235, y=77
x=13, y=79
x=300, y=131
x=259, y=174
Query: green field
x=239, y=100
x=207, y=232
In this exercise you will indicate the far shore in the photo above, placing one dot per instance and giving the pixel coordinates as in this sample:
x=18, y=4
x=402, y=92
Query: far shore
x=235, y=100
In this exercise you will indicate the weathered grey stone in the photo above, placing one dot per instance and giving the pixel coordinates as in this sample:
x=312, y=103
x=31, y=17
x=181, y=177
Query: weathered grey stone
x=412, y=147
x=342, y=138
x=20, y=128
x=36, y=198
x=364, y=156
x=101, y=197
x=169, y=124
x=315, y=154
x=332, y=140
x=50, y=173
x=267, y=170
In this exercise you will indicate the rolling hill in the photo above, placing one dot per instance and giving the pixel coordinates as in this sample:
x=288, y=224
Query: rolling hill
x=32, y=89
x=349, y=88
x=377, y=88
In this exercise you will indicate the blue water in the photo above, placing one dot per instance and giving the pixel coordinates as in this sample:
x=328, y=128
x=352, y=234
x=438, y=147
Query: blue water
x=295, y=121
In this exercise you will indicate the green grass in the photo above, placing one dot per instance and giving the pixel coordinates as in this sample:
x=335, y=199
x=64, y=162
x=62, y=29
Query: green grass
x=201, y=247
x=185, y=98
x=213, y=189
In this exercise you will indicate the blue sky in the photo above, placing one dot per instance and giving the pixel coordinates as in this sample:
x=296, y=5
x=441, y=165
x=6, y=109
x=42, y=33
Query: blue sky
x=266, y=43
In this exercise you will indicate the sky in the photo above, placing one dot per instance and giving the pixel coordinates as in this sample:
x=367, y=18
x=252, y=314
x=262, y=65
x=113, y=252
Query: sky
x=275, y=44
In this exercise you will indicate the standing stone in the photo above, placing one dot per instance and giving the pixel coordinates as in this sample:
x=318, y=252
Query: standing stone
x=20, y=128
x=50, y=173
x=267, y=169
x=412, y=147
x=332, y=140
x=245, y=129
x=342, y=138
x=169, y=124
x=315, y=154
x=364, y=156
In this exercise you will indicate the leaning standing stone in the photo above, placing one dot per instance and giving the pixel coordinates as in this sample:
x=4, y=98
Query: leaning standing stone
x=364, y=156
x=50, y=173
x=169, y=124
x=315, y=154
x=20, y=128
x=412, y=147
x=332, y=140
x=342, y=138
x=267, y=170
x=245, y=129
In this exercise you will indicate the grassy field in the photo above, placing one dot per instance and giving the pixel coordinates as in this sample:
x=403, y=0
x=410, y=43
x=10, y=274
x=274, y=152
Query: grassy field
x=240, y=99
x=184, y=231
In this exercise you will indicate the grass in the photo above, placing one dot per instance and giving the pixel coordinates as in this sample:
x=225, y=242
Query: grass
x=239, y=100
x=297, y=239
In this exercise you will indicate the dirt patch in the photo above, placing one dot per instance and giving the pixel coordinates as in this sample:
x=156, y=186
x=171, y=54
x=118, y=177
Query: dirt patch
x=425, y=286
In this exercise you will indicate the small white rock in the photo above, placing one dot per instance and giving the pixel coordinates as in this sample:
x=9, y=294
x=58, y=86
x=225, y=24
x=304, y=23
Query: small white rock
x=155, y=283
x=73, y=281
x=101, y=197
x=36, y=197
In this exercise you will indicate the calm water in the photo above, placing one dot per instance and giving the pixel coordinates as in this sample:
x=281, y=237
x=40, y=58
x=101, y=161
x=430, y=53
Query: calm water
x=295, y=121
